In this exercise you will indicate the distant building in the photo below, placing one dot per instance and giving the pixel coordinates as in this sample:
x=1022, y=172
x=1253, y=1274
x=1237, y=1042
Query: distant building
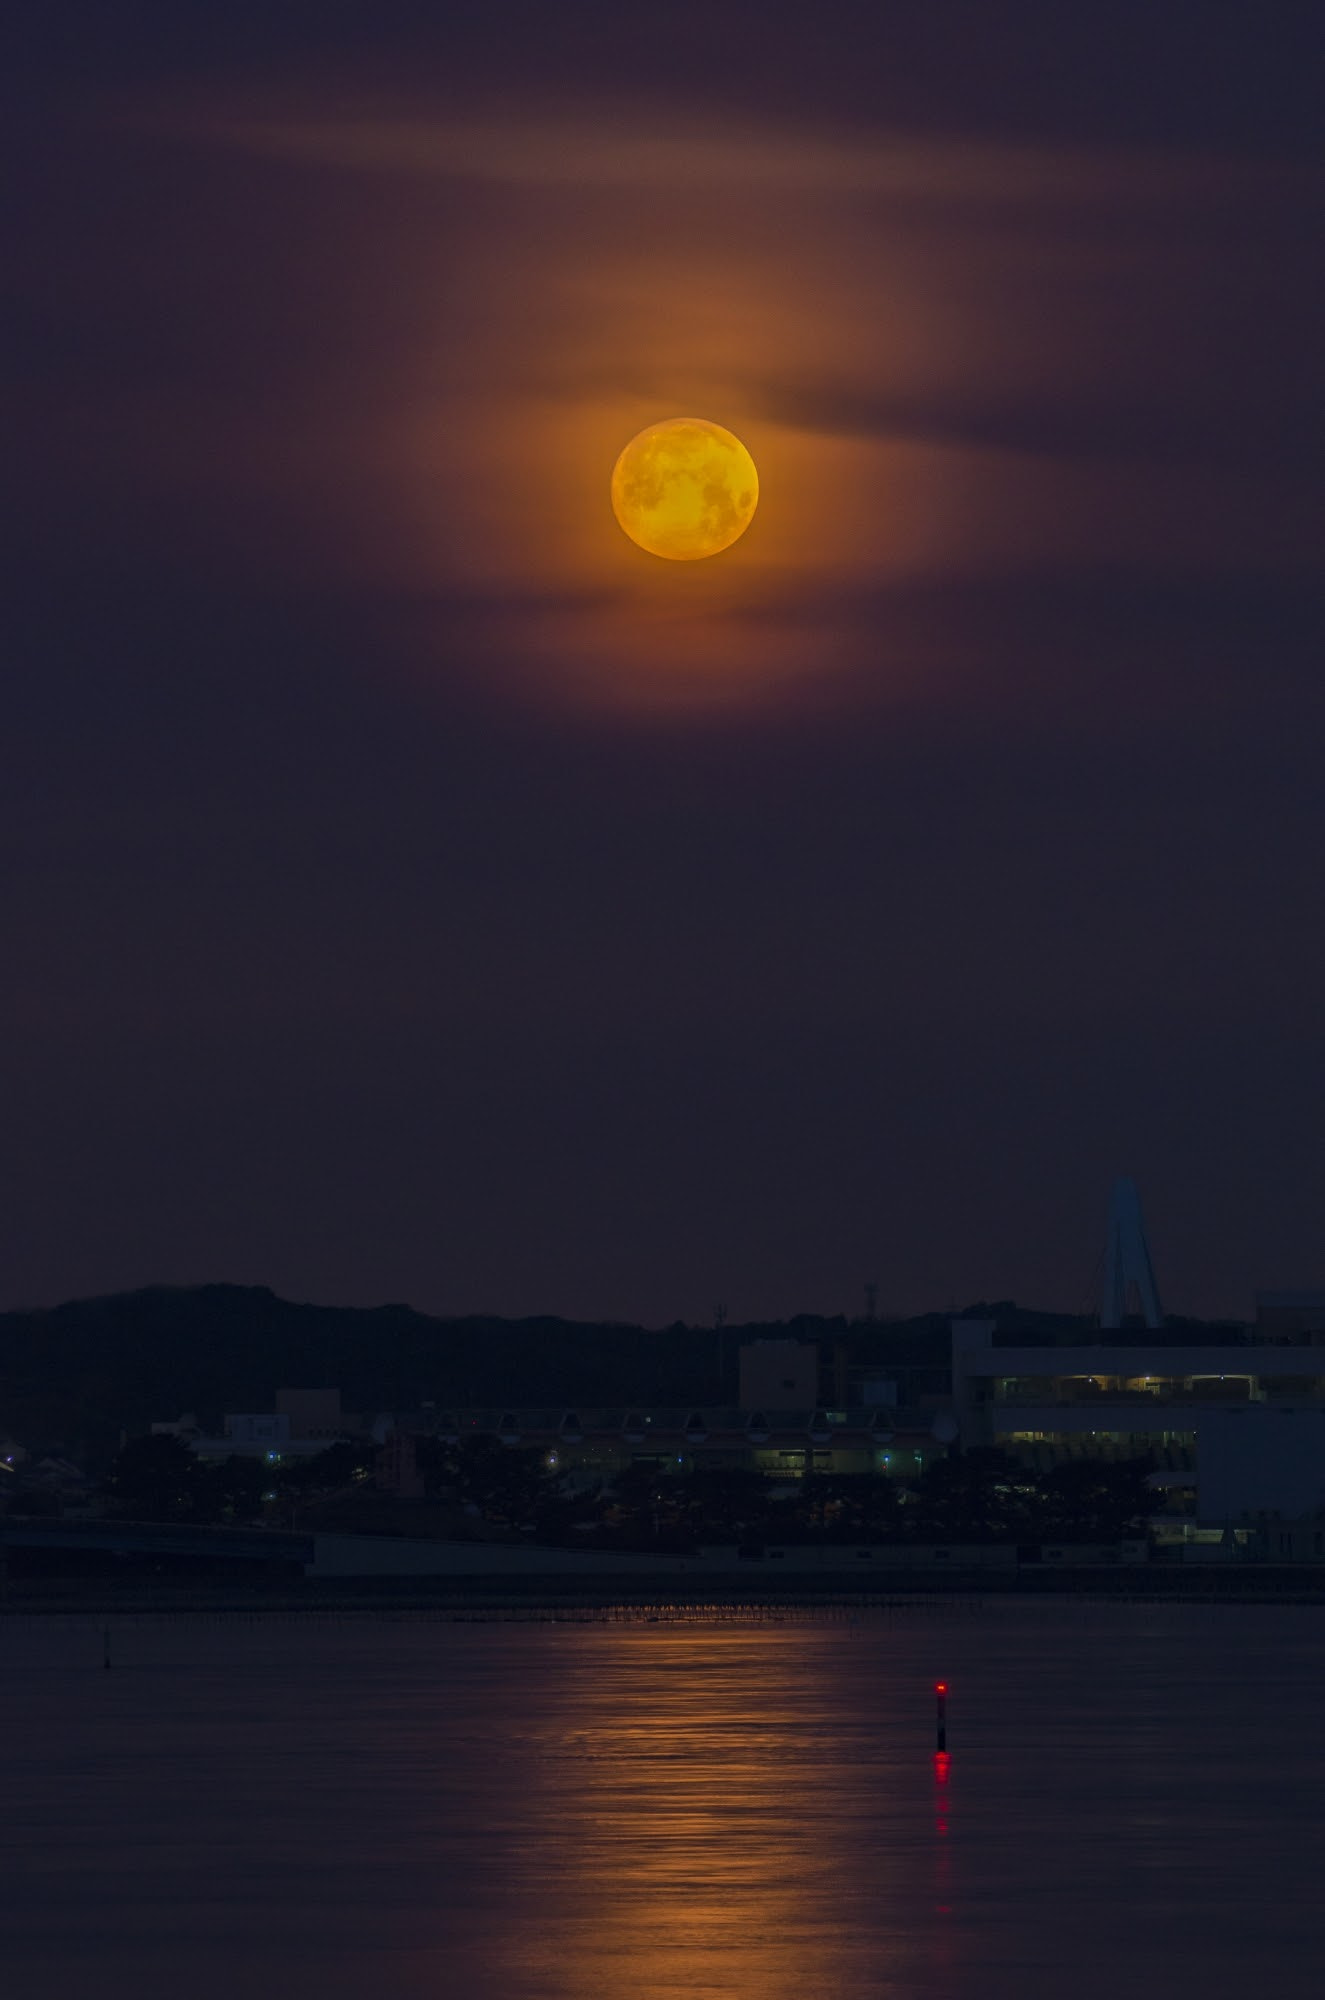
x=185, y=1428
x=262, y=1434
x=590, y=1445
x=1260, y=1464
x=1212, y=1416
x=878, y=1392
x=779, y=1375
x=1293, y=1318
x=312, y=1413
x=263, y=1430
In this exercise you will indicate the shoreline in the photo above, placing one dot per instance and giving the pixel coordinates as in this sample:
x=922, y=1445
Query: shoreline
x=512, y=1599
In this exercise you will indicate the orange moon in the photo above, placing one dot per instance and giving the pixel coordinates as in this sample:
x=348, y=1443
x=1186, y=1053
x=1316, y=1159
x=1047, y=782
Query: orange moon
x=685, y=488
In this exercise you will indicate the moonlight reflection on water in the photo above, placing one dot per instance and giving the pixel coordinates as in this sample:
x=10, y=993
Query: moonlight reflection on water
x=351, y=1807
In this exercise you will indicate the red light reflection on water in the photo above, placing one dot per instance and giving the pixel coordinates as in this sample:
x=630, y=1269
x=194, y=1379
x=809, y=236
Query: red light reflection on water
x=942, y=1853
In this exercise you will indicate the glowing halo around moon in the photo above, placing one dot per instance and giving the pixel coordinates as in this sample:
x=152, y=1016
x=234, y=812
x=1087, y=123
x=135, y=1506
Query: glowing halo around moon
x=685, y=488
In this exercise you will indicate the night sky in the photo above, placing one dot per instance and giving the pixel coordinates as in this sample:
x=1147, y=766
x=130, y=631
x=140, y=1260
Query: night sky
x=413, y=890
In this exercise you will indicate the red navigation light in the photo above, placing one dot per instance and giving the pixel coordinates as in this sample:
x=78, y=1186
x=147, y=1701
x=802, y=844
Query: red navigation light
x=940, y=1687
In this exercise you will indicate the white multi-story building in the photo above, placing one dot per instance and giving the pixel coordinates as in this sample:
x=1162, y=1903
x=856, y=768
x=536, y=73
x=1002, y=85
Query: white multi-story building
x=1210, y=1416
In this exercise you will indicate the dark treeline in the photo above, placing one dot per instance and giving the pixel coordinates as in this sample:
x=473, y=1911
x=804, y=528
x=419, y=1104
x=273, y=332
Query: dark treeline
x=76, y=1378
x=479, y=1486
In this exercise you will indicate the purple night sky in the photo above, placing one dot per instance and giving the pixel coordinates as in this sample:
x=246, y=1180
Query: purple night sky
x=413, y=890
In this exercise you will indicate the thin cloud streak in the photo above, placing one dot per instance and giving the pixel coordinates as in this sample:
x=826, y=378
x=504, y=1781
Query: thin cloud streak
x=590, y=150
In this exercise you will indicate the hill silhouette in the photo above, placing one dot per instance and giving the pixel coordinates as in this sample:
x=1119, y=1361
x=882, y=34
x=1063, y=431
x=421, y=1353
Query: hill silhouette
x=77, y=1376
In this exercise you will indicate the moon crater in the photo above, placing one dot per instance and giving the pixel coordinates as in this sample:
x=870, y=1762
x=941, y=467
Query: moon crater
x=685, y=488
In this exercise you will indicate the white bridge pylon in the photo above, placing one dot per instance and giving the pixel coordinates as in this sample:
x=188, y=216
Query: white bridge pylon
x=1129, y=1276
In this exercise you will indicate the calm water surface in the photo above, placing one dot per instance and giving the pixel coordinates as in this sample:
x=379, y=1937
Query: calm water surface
x=1132, y=1805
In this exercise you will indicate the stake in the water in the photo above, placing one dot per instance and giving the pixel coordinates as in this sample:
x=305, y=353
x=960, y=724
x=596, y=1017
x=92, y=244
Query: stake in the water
x=941, y=1714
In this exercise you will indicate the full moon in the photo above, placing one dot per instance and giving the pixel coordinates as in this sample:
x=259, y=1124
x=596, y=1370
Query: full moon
x=685, y=488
